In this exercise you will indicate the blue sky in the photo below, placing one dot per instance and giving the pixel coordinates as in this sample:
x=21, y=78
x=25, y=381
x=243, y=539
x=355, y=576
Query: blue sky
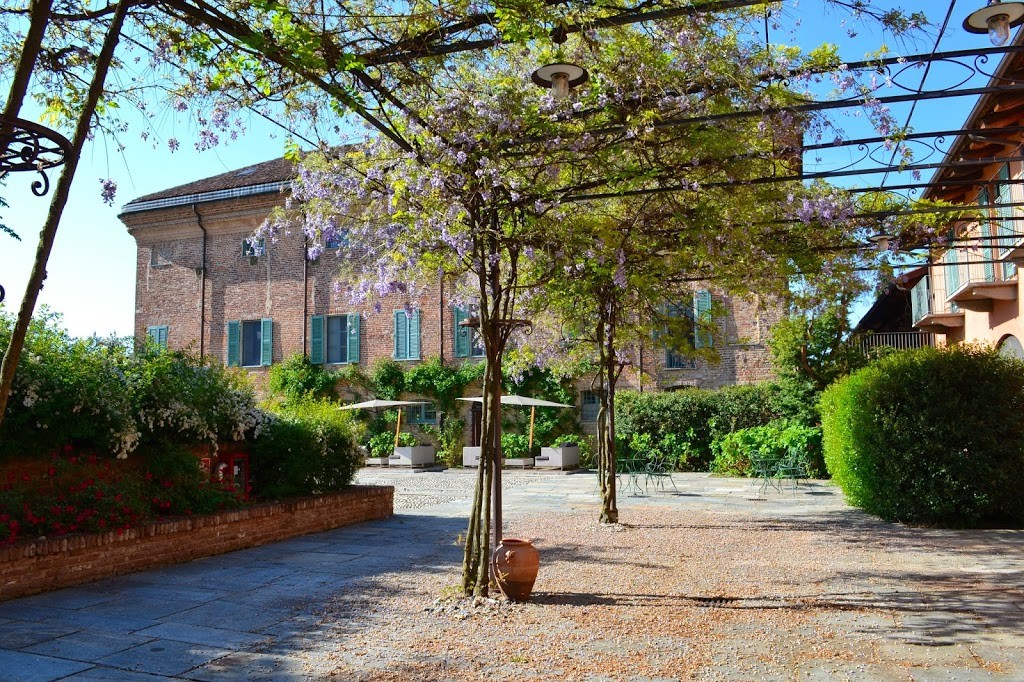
x=91, y=278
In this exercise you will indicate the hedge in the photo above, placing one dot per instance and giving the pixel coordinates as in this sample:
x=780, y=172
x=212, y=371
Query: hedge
x=686, y=422
x=932, y=436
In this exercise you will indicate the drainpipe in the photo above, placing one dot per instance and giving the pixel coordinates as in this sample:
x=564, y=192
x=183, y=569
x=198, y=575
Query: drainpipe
x=305, y=290
x=202, y=286
x=440, y=317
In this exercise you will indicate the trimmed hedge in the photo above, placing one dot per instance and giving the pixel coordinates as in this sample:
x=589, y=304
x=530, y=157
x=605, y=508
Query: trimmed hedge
x=933, y=436
x=308, y=448
x=686, y=422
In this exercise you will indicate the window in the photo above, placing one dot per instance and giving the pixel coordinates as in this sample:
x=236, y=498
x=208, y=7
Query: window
x=334, y=339
x=467, y=339
x=699, y=317
x=422, y=414
x=336, y=241
x=1010, y=347
x=407, y=335
x=160, y=256
x=157, y=335
x=250, y=343
x=251, y=248
x=591, y=404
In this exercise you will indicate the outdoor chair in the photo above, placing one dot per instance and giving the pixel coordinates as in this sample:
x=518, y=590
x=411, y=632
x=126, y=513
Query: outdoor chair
x=792, y=467
x=633, y=469
x=657, y=470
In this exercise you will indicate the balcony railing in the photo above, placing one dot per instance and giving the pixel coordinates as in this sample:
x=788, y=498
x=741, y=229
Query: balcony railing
x=925, y=300
x=897, y=340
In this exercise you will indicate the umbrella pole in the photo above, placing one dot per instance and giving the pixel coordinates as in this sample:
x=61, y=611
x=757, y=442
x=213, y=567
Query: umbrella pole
x=398, y=427
x=533, y=414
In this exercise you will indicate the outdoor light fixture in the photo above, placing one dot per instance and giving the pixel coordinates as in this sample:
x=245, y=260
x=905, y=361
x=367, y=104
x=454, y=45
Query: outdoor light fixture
x=882, y=240
x=996, y=19
x=560, y=78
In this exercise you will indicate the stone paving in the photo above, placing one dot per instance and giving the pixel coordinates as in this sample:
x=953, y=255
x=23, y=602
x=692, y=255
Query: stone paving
x=949, y=607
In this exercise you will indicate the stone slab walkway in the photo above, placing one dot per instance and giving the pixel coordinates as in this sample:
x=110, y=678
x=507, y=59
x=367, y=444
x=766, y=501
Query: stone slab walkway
x=710, y=581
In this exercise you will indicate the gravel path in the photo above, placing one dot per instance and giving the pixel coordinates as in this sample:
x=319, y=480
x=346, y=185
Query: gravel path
x=711, y=590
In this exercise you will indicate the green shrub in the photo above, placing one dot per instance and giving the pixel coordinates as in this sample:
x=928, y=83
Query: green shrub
x=297, y=378
x=307, y=448
x=774, y=441
x=930, y=436
x=450, y=436
x=67, y=392
x=387, y=379
x=693, y=418
x=381, y=444
x=515, y=445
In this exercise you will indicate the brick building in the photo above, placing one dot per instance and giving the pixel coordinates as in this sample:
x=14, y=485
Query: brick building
x=201, y=284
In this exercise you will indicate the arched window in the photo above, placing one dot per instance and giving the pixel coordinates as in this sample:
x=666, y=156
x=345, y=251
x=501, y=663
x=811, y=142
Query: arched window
x=1010, y=346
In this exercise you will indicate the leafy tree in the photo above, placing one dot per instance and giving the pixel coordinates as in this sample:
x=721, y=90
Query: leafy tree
x=471, y=173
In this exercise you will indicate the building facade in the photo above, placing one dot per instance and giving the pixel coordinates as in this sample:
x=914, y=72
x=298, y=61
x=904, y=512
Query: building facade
x=972, y=288
x=201, y=284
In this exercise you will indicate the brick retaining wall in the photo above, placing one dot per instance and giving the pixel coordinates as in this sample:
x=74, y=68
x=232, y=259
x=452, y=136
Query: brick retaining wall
x=48, y=564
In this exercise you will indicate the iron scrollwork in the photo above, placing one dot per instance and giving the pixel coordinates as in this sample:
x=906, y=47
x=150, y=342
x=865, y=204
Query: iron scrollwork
x=28, y=146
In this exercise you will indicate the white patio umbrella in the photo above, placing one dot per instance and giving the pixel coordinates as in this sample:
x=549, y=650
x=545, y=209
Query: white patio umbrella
x=523, y=401
x=373, y=404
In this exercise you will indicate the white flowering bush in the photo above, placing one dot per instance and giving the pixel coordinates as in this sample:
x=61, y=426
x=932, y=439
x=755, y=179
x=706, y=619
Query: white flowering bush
x=67, y=391
x=99, y=394
x=181, y=398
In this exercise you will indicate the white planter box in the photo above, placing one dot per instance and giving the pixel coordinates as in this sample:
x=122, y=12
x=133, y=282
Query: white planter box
x=567, y=457
x=470, y=457
x=520, y=462
x=377, y=461
x=417, y=455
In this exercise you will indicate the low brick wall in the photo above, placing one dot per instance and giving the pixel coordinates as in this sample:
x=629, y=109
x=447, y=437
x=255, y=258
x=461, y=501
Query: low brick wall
x=48, y=564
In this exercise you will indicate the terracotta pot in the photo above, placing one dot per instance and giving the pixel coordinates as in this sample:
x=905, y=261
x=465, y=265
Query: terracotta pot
x=514, y=566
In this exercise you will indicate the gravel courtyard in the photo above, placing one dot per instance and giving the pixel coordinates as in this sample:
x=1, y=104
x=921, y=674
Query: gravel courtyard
x=710, y=582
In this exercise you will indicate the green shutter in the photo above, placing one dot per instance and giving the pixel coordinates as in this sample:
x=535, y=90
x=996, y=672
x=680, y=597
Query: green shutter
x=234, y=336
x=401, y=335
x=266, y=341
x=353, y=338
x=414, y=335
x=316, y=340
x=702, y=319
x=157, y=334
x=461, y=333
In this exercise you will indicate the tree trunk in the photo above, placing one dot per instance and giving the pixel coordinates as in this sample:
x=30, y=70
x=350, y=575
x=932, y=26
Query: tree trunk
x=606, y=418
x=39, y=17
x=57, y=203
x=476, y=576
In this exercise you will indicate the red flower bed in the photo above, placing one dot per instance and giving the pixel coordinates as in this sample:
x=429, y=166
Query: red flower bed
x=79, y=492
